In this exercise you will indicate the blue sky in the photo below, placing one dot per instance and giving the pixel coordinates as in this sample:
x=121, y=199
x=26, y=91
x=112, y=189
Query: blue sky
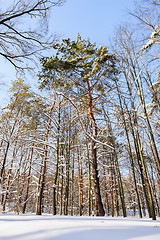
x=95, y=19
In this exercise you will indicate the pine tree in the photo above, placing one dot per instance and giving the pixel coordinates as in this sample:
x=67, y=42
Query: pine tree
x=83, y=73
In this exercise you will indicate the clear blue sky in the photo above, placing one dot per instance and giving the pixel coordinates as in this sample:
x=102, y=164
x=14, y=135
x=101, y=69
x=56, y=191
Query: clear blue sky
x=95, y=19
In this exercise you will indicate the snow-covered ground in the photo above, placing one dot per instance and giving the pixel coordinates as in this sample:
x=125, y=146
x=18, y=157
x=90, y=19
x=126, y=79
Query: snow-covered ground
x=47, y=227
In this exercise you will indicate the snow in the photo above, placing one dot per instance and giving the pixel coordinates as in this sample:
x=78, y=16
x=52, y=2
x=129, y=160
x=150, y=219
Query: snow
x=47, y=227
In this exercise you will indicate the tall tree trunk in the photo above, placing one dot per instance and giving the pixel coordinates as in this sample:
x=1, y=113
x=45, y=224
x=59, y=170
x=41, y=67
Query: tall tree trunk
x=153, y=185
x=151, y=202
x=72, y=188
x=99, y=210
x=140, y=158
x=61, y=191
x=18, y=182
x=121, y=190
x=28, y=180
x=110, y=187
x=18, y=190
x=10, y=172
x=80, y=184
x=89, y=183
x=140, y=92
x=67, y=158
x=57, y=160
x=119, y=178
x=115, y=188
x=106, y=190
x=66, y=195
x=43, y=173
x=130, y=153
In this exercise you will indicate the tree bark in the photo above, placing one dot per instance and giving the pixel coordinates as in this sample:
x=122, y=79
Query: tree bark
x=80, y=185
x=57, y=161
x=99, y=210
x=43, y=174
x=28, y=180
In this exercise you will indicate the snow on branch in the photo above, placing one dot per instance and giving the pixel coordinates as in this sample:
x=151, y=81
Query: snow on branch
x=152, y=40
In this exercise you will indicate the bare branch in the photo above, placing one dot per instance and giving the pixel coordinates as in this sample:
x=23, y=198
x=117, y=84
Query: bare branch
x=23, y=46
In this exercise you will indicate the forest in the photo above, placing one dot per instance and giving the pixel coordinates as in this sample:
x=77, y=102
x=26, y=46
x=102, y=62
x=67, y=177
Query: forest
x=87, y=141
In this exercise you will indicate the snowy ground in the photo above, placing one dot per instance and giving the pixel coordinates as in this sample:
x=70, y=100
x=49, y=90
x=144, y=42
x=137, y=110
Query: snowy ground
x=46, y=227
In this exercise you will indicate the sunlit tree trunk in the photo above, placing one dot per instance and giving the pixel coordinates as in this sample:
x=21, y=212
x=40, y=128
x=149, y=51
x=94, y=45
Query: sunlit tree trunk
x=115, y=187
x=80, y=183
x=28, y=180
x=89, y=183
x=57, y=161
x=99, y=210
x=72, y=187
x=61, y=188
x=66, y=194
x=130, y=153
x=43, y=173
x=106, y=190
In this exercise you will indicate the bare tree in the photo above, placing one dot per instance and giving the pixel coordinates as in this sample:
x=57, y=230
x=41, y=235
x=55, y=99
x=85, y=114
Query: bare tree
x=21, y=41
x=147, y=12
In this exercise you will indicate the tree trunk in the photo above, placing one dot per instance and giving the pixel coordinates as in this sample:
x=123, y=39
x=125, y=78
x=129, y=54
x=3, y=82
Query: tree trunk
x=139, y=88
x=66, y=196
x=8, y=145
x=43, y=174
x=61, y=191
x=57, y=161
x=106, y=190
x=115, y=189
x=72, y=188
x=130, y=154
x=138, y=148
x=80, y=184
x=99, y=210
x=110, y=174
x=89, y=183
x=28, y=180
x=151, y=203
x=121, y=190
x=9, y=174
